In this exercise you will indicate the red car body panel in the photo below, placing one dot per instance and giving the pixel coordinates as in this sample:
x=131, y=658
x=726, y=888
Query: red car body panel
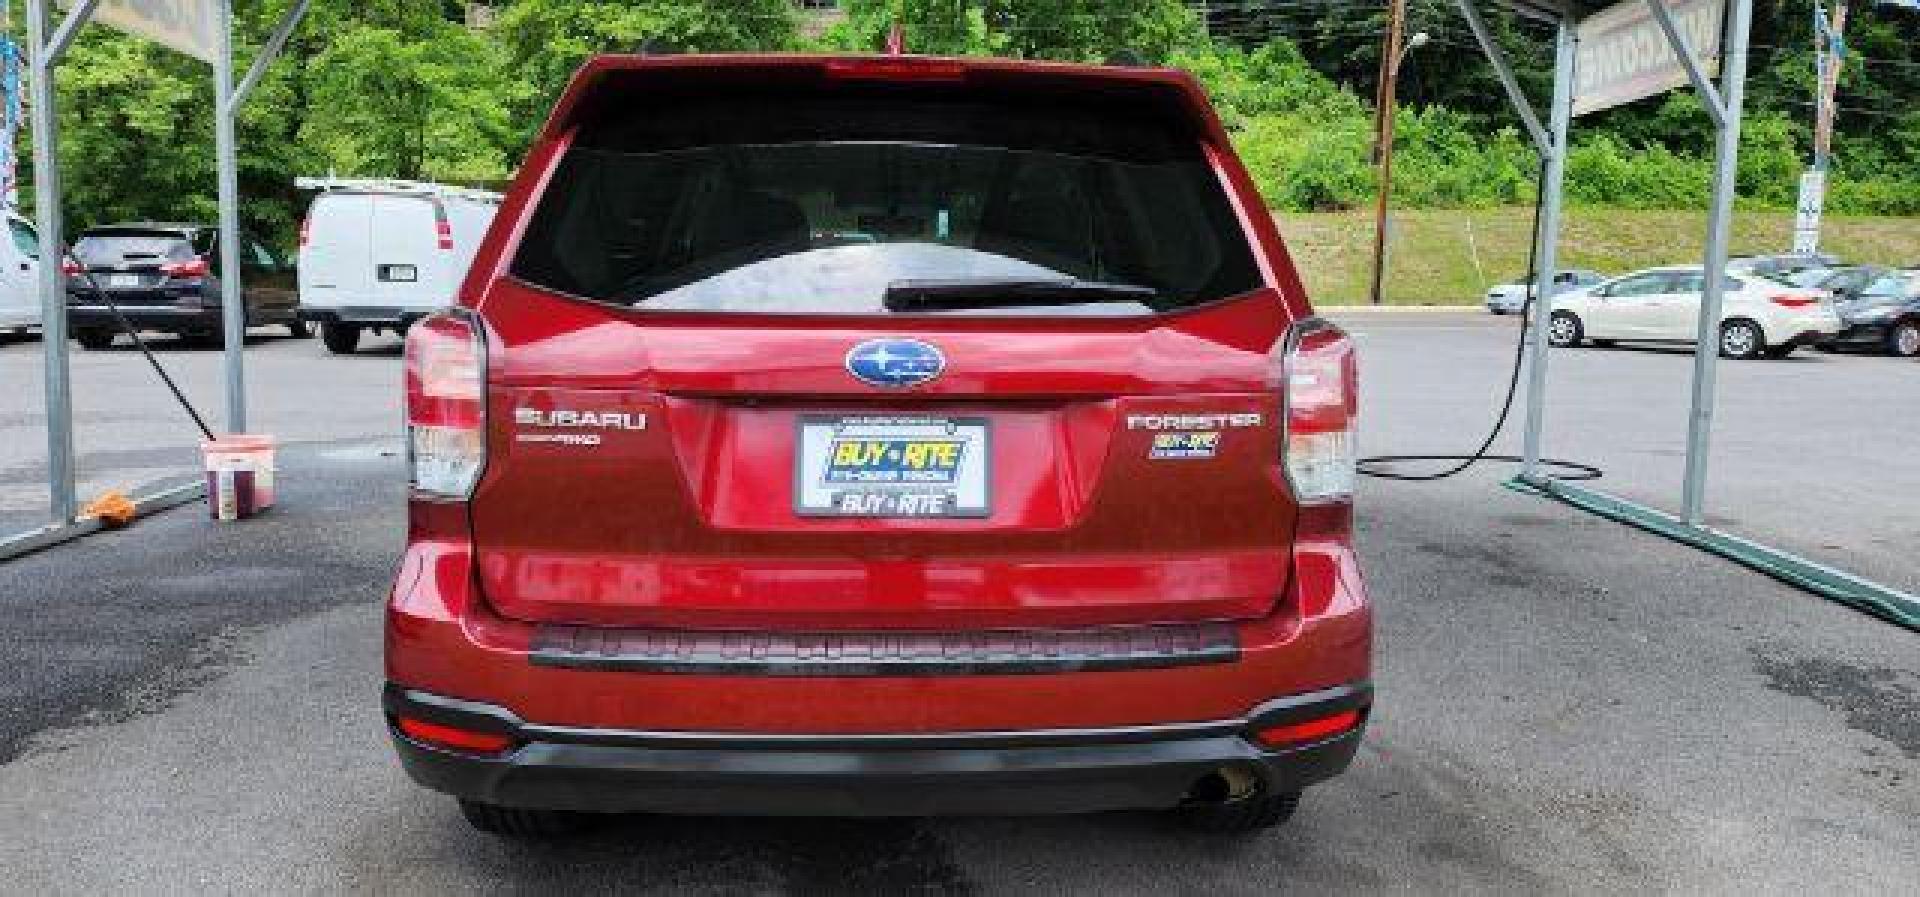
x=686, y=523
x=443, y=638
x=689, y=523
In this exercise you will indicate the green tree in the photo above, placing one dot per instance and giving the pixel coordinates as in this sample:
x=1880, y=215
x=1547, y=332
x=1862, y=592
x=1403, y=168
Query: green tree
x=436, y=103
x=546, y=40
x=1080, y=30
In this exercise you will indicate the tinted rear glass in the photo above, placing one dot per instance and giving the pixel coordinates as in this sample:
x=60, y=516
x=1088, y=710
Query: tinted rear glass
x=817, y=203
x=1898, y=285
x=132, y=248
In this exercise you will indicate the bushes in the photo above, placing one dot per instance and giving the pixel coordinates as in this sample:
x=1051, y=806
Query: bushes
x=1603, y=171
x=1307, y=142
x=1444, y=161
x=1301, y=164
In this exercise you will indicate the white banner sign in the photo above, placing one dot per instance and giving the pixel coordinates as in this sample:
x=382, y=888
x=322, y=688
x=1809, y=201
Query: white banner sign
x=1625, y=56
x=190, y=26
x=1806, y=221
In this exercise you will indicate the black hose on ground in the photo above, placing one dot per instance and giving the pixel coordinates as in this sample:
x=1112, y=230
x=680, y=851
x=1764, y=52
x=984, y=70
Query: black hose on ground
x=1376, y=465
x=86, y=277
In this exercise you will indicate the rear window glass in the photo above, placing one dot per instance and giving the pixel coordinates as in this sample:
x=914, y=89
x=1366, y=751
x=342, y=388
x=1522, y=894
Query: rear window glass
x=821, y=204
x=1891, y=285
x=132, y=248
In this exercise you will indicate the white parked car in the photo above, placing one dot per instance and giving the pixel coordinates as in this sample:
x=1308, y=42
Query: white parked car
x=19, y=276
x=379, y=254
x=1759, y=316
x=1510, y=298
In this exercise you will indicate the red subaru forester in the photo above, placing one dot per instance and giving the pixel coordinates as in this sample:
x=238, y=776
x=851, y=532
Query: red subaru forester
x=882, y=436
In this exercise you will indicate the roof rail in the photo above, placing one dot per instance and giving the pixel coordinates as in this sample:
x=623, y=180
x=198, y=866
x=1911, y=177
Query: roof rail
x=395, y=185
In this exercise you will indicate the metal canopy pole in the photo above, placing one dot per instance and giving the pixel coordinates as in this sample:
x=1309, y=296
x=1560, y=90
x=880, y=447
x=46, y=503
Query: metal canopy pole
x=46, y=51
x=1551, y=142
x=1504, y=70
x=1547, y=250
x=1725, y=105
x=227, y=99
x=233, y=308
x=268, y=53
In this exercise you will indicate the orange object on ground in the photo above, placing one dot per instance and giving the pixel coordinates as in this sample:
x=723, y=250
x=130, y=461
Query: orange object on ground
x=113, y=508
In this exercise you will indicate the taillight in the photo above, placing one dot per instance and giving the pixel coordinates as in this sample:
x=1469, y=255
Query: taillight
x=442, y=228
x=196, y=267
x=453, y=737
x=1794, y=301
x=70, y=267
x=1320, y=394
x=1310, y=730
x=446, y=440
x=306, y=229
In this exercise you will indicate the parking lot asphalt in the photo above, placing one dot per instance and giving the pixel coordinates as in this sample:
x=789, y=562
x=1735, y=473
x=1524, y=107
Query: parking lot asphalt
x=128, y=432
x=1566, y=705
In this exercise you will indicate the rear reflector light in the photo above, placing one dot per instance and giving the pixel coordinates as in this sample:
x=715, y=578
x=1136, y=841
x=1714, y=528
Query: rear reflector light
x=1311, y=730
x=1319, y=387
x=458, y=739
x=445, y=364
x=902, y=69
x=195, y=268
x=1794, y=301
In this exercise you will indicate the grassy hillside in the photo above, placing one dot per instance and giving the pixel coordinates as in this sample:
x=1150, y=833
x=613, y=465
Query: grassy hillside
x=1451, y=257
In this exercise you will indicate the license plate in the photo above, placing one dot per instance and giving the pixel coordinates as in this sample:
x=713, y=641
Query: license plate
x=124, y=280
x=887, y=466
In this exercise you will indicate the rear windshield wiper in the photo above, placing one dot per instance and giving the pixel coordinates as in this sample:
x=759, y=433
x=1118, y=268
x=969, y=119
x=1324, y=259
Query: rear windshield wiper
x=936, y=295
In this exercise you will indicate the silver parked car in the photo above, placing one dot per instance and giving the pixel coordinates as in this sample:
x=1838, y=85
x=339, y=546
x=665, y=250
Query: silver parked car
x=1509, y=298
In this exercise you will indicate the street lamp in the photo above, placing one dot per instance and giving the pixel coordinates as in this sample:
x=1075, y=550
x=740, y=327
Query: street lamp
x=1418, y=40
x=1383, y=152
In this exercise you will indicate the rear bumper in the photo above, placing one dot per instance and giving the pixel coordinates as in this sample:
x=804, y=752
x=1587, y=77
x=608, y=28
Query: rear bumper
x=1874, y=334
x=979, y=773
x=146, y=317
x=363, y=315
x=1809, y=338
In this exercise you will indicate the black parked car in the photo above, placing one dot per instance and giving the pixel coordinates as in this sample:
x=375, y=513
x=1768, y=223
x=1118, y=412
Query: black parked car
x=1883, y=316
x=1779, y=265
x=1844, y=282
x=166, y=277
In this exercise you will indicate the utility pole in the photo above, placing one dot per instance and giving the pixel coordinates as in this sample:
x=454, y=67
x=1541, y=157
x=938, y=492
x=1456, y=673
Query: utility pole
x=1383, y=108
x=1830, y=55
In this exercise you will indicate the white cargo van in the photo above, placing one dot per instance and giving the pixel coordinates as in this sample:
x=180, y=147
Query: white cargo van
x=19, y=276
x=378, y=254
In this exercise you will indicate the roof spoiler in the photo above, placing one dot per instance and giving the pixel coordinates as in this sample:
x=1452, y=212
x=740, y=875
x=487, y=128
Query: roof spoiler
x=612, y=72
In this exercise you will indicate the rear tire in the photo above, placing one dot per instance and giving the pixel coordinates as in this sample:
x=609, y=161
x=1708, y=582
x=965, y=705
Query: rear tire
x=1564, y=330
x=94, y=339
x=1239, y=817
x=1742, y=339
x=1904, y=341
x=341, y=339
x=517, y=822
x=298, y=329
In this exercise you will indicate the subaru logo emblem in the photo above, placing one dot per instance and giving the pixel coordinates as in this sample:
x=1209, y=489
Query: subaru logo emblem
x=895, y=362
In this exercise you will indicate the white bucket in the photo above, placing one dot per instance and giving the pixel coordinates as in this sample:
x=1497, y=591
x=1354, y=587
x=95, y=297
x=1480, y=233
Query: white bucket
x=240, y=475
